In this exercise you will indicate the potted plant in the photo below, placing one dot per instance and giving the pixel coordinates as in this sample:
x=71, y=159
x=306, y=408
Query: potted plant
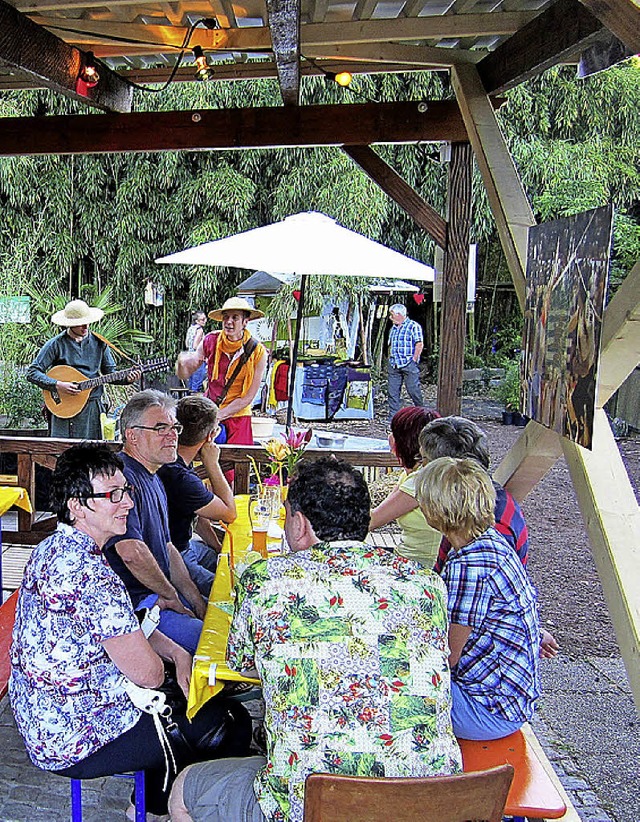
x=508, y=392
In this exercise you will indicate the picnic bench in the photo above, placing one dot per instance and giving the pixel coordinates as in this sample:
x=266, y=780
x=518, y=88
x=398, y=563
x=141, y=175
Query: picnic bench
x=7, y=617
x=535, y=793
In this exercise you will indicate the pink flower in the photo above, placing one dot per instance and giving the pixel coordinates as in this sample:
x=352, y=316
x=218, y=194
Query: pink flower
x=297, y=439
x=274, y=479
x=294, y=443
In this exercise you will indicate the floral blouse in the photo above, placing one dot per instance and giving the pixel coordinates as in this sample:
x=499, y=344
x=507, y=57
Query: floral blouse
x=350, y=643
x=65, y=691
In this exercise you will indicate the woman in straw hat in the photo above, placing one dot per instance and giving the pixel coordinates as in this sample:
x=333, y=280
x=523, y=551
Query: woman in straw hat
x=226, y=352
x=77, y=347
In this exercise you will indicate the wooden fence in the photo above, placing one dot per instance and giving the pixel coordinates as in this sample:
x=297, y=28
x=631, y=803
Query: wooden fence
x=44, y=451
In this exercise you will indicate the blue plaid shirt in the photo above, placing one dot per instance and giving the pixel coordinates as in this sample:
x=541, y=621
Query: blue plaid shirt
x=402, y=342
x=490, y=592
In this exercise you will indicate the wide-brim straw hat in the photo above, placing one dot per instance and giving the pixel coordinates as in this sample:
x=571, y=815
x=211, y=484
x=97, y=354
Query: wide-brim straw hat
x=235, y=304
x=77, y=312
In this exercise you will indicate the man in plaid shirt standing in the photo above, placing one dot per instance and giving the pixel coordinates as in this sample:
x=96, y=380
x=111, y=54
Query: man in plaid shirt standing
x=405, y=348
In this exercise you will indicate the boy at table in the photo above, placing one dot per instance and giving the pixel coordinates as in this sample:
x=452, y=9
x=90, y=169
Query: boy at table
x=350, y=643
x=187, y=495
x=461, y=438
x=494, y=635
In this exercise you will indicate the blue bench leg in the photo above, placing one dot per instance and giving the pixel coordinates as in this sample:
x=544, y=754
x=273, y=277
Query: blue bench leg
x=76, y=800
x=140, y=806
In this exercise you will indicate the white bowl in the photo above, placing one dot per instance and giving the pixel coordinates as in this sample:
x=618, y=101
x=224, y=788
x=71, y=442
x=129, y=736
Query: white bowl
x=262, y=427
x=327, y=439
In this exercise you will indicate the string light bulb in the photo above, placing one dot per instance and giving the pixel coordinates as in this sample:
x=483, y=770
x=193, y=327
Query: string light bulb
x=203, y=69
x=89, y=73
x=343, y=78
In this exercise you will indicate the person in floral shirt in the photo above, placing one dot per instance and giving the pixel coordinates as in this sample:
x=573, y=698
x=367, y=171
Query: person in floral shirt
x=350, y=643
x=77, y=643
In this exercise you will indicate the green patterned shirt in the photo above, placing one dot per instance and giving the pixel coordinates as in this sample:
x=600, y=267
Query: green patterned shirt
x=350, y=643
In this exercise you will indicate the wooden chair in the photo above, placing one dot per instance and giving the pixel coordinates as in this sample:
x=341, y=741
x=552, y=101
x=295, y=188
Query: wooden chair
x=478, y=795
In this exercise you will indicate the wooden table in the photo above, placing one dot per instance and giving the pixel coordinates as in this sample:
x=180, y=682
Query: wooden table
x=210, y=671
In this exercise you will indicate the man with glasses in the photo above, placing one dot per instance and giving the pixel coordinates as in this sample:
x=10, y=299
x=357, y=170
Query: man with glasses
x=150, y=566
x=187, y=495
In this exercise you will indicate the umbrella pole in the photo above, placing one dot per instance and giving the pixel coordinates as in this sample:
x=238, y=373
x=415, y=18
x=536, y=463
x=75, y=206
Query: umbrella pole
x=296, y=342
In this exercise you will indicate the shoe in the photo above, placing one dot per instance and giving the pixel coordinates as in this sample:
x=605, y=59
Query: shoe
x=236, y=688
x=130, y=813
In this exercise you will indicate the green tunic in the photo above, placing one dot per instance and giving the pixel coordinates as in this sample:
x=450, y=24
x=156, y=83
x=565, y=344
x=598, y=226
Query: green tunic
x=92, y=358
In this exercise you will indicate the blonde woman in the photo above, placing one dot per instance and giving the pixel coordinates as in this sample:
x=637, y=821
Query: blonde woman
x=494, y=635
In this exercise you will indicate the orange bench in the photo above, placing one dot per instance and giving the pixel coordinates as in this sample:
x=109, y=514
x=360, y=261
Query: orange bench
x=7, y=617
x=533, y=794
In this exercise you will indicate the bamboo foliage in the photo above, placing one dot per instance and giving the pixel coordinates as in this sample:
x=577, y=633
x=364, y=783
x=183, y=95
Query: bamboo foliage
x=73, y=223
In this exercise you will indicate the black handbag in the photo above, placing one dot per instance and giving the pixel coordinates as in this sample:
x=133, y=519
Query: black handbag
x=227, y=725
x=222, y=727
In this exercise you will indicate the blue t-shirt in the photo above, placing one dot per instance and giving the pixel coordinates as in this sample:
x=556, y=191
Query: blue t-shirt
x=186, y=494
x=147, y=522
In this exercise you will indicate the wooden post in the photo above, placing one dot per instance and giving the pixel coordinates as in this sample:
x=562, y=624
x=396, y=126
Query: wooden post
x=27, y=480
x=454, y=281
x=612, y=518
x=507, y=197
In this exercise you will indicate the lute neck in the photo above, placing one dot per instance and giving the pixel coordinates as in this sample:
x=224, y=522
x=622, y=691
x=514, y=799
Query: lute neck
x=87, y=385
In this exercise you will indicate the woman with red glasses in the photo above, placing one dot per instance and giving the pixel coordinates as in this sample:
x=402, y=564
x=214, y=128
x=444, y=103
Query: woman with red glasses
x=78, y=646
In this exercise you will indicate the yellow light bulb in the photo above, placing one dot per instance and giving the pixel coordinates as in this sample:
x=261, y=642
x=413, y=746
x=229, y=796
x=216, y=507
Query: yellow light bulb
x=343, y=78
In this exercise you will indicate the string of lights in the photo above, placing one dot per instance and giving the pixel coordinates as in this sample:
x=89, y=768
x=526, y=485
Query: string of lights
x=89, y=73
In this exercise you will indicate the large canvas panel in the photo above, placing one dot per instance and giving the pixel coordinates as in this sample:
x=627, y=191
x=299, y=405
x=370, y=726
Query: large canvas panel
x=567, y=267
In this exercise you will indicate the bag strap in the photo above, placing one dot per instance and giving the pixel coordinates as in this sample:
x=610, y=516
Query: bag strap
x=113, y=347
x=155, y=703
x=248, y=349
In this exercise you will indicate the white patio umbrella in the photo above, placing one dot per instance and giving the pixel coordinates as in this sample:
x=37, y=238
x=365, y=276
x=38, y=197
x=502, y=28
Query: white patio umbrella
x=305, y=244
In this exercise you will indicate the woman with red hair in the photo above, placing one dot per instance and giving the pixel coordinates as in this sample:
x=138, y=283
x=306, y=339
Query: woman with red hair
x=420, y=541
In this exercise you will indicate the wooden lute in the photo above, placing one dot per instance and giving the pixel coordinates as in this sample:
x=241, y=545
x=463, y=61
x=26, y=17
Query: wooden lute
x=65, y=406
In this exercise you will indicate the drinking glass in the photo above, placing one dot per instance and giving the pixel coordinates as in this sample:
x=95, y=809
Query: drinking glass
x=260, y=516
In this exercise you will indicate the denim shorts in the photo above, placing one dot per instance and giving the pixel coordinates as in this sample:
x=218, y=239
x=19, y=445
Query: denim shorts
x=471, y=720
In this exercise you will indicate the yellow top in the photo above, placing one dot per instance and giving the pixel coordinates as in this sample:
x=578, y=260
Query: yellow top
x=420, y=541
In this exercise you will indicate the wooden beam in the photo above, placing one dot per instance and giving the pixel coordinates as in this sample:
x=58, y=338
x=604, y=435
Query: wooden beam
x=454, y=281
x=399, y=190
x=141, y=38
x=284, y=23
x=395, y=53
x=259, y=38
x=622, y=17
x=559, y=33
x=507, y=197
x=612, y=519
x=354, y=124
x=228, y=72
x=56, y=65
x=620, y=346
x=529, y=459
